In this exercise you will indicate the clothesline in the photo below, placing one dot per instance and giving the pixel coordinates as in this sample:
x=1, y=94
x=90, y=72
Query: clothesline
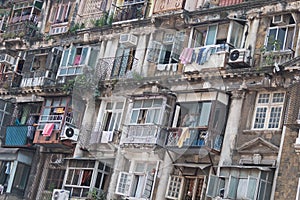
x=200, y=55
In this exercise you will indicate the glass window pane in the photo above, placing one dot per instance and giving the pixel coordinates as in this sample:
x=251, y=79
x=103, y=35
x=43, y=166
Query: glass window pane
x=147, y=103
x=205, y=112
x=211, y=35
x=62, y=71
x=251, y=188
x=157, y=102
x=65, y=58
x=278, y=98
x=84, y=55
x=119, y=105
x=274, y=117
x=260, y=117
x=72, y=56
x=137, y=104
x=271, y=39
x=109, y=106
x=263, y=98
x=112, y=122
x=289, y=38
x=280, y=39
x=232, y=187
x=134, y=116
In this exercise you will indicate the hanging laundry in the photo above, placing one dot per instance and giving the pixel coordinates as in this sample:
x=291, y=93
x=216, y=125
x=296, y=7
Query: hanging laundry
x=48, y=129
x=185, y=134
x=161, y=67
x=186, y=55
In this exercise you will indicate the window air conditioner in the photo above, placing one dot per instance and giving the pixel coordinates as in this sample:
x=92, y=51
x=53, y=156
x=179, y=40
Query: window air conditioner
x=60, y=194
x=69, y=133
x=128, y=40
x=7, y=58
x=239, y=57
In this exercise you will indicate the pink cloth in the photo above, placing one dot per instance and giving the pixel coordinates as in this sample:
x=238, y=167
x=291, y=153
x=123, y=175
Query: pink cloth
x=77, y=60
x=186, y=55
x=48, y=129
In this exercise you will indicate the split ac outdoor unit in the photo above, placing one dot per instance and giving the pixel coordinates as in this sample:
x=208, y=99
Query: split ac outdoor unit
x=128, y=40
x=239, y=57
x=69, y=133
x=60, y=194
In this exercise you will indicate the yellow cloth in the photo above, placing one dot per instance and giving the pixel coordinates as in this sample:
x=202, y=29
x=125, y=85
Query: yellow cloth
x=185, y=134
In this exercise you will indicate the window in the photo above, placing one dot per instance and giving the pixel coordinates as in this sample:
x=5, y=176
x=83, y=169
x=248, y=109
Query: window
x=79, y=177
x=20, y=179
x=146, y=111
x=138, y=183
x=54, y=179
x=74, y=58
x=268, y=111
x=235, y=36
x=167, y=51
x=111, y=122
x=280, y=35
x=60, y=13
x=181, y=187
x=251, y=184
x=124, y=61
x=194, y=114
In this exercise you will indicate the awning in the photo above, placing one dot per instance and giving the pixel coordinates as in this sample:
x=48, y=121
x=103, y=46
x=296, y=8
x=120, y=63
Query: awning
x=193, y=165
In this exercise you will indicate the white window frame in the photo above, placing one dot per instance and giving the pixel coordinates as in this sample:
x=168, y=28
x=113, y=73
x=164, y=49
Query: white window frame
x=268, y=106
x=159, y=48
x=54, y=14
x=214, y=37
x=145, y=112
x=175, y=183
x=283, y=48
x=127, y=181
x=236, y=32
x=72, y=68
x=107, y=135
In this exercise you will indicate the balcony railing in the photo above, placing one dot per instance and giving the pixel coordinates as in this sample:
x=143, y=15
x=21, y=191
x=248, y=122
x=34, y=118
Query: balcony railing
x=211, y=56
x=186, y=137
x=16, y=135
x=144, y=134
x=279, y=57
x=110, y=68
x=129, y=12
x=168, y=69
x=37, y=78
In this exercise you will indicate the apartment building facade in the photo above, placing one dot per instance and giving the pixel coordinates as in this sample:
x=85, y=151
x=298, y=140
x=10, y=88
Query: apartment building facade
x=149, y=99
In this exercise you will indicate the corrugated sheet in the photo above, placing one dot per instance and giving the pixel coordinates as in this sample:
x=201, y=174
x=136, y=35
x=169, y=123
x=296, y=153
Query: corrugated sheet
x=229, y=2
x=16, y=135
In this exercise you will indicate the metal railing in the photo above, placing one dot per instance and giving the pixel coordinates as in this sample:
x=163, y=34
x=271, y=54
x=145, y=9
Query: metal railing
x=16, y=135
x=279, y=57
x=129, y=12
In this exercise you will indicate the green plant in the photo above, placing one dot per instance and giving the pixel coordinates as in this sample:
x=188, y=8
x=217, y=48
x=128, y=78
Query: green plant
x=269, y=49
x=76, y=27
x=95, y=194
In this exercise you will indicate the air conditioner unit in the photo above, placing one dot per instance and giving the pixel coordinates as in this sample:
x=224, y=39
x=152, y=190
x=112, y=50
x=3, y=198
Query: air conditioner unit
x=60, y=194
x=128, y=40
x=280, y=19
x=7, y=58
x=69, y=133
x=239, y=57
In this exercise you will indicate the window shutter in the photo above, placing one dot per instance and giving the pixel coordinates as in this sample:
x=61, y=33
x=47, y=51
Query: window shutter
x=148, y=185
x=232, y=187
x=177, y=46
x=49, y=60
x=212, y=186
x=154, y=52
x=251, y=188
x=124, y=183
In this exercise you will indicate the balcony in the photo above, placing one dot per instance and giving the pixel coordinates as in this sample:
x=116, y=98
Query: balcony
x=114, y=68
x=172, y=69
x=211, y=56
x=16, y=136
x=270, y=58
x=145, y=135
x=37, y=78
x=129, y=12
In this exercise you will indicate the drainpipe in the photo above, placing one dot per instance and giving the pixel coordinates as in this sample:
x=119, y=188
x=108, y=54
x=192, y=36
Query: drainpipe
x=278, y=163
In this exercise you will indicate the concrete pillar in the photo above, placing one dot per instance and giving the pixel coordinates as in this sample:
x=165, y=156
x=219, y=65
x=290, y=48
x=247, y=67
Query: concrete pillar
x=102, y=49
x=232, y=126
x=144, y=71
x=252, y=35
x=164, y=174
x=120, y=162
